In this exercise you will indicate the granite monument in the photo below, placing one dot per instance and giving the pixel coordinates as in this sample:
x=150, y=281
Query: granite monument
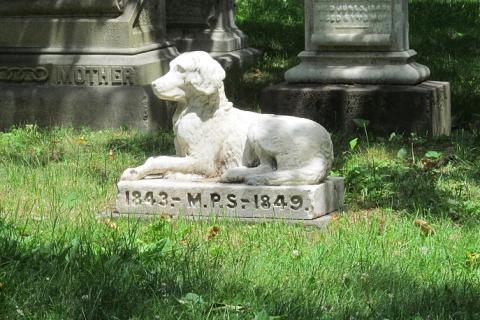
x=82, y=63
x=357, y=63
x=209, y=25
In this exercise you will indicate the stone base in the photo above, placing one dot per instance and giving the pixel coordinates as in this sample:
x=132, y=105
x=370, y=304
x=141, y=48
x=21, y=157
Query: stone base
x=206, y=199
x=318, y=222
x=397, y=68
x=97, y=108
x=421, y=108
x=238, y=59
x=229, y=47
x=216, y=40
x=95, y=90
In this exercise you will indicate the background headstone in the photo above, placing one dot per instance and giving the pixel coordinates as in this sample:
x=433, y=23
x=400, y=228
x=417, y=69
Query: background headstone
x=357, y=64
x=82, y=62
x=209, y=25
x=362, y=41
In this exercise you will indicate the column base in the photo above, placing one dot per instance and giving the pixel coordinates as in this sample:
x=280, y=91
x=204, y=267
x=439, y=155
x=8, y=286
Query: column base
x=95, y=90
x=358, y=68
x=422, y=108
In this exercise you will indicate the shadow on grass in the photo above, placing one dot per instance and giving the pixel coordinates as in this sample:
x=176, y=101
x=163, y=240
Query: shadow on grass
x=386, y=294
x=446, y=35
x=115, y=279
x=445, y=188
x=149, y=144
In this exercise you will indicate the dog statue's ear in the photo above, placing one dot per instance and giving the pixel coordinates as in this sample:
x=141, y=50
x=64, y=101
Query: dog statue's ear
x=210, y=75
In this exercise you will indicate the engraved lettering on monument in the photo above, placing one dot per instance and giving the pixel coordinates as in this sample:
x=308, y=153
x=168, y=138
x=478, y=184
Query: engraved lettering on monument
x=23, y=74
x=353, y=22
x=189, y=12
x=95, y=75
x=192, y=200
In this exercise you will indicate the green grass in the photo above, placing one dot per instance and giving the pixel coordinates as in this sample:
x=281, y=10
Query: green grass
x=58, y=261
x=376, y=261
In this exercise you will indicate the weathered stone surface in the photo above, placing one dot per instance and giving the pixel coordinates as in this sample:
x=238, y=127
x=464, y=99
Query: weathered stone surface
x=65, y=62
x=209, y=25
x=362, y=42
x=215, y=140
x=358, y=68
x=340, y=24
x=61, y=7
x=420, y=108
x=95, y=107
x=159, y=196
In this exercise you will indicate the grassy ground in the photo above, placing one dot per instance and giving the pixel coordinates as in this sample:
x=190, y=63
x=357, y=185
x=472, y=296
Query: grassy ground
x=57, y=261
x=408, y=247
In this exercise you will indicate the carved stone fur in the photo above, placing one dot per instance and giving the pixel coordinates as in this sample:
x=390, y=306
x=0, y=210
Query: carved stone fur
x=215, y=140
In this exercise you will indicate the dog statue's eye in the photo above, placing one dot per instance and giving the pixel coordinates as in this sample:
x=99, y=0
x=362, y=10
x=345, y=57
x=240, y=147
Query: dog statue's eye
x=180, y=69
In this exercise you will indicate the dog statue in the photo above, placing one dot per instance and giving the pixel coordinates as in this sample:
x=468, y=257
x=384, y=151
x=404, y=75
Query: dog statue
x=215, y=140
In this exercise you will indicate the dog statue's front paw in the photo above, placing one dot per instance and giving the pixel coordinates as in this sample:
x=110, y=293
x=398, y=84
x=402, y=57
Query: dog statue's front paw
x=258, y=180
x=231, y=176
x=131, y=174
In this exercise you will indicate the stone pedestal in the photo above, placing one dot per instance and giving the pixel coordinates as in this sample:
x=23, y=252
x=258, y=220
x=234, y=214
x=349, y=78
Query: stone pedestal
x=422, y=108
x=209, y=25
x=362, y=42
x=357, y=63
x=206, y=199
x=82, y=63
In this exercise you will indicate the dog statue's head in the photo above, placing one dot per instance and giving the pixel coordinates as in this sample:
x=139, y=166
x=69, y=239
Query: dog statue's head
x=195, y=70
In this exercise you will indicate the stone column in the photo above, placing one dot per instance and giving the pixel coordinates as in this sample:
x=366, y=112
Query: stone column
x=357, y=63
x=209, y=25
x=82, y=62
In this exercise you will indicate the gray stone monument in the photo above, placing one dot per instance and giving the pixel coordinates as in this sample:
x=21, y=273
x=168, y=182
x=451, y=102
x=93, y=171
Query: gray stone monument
x=82, y=62
x=209, y=25
x=230, y=162
x=357, y=64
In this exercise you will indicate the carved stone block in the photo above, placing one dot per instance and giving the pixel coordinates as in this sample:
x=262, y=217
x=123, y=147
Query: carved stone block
x=209, y=25
x=358, y=42
x=423, y=108
x=54, y=52
x=158, y=196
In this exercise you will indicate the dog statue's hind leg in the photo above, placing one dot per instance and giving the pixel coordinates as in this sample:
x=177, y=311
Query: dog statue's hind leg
x=237, y=175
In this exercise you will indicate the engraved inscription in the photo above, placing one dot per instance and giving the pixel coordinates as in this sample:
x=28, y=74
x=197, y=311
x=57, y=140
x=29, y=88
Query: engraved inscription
x=23, y=74
x=353, y=22
x=189, y=11
x=94, y=75
x=215, y=201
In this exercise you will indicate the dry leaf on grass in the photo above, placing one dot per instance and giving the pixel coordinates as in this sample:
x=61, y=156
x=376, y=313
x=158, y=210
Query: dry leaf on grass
x=110, y=224
x=425, y=227
x=429, y=164
x=212, y=232
x=472, y=258
x=81, y=141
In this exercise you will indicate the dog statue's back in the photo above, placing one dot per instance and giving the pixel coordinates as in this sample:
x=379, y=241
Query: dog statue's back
x=214, y=139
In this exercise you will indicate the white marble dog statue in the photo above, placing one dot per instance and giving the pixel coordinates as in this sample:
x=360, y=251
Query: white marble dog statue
x=215, y=140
